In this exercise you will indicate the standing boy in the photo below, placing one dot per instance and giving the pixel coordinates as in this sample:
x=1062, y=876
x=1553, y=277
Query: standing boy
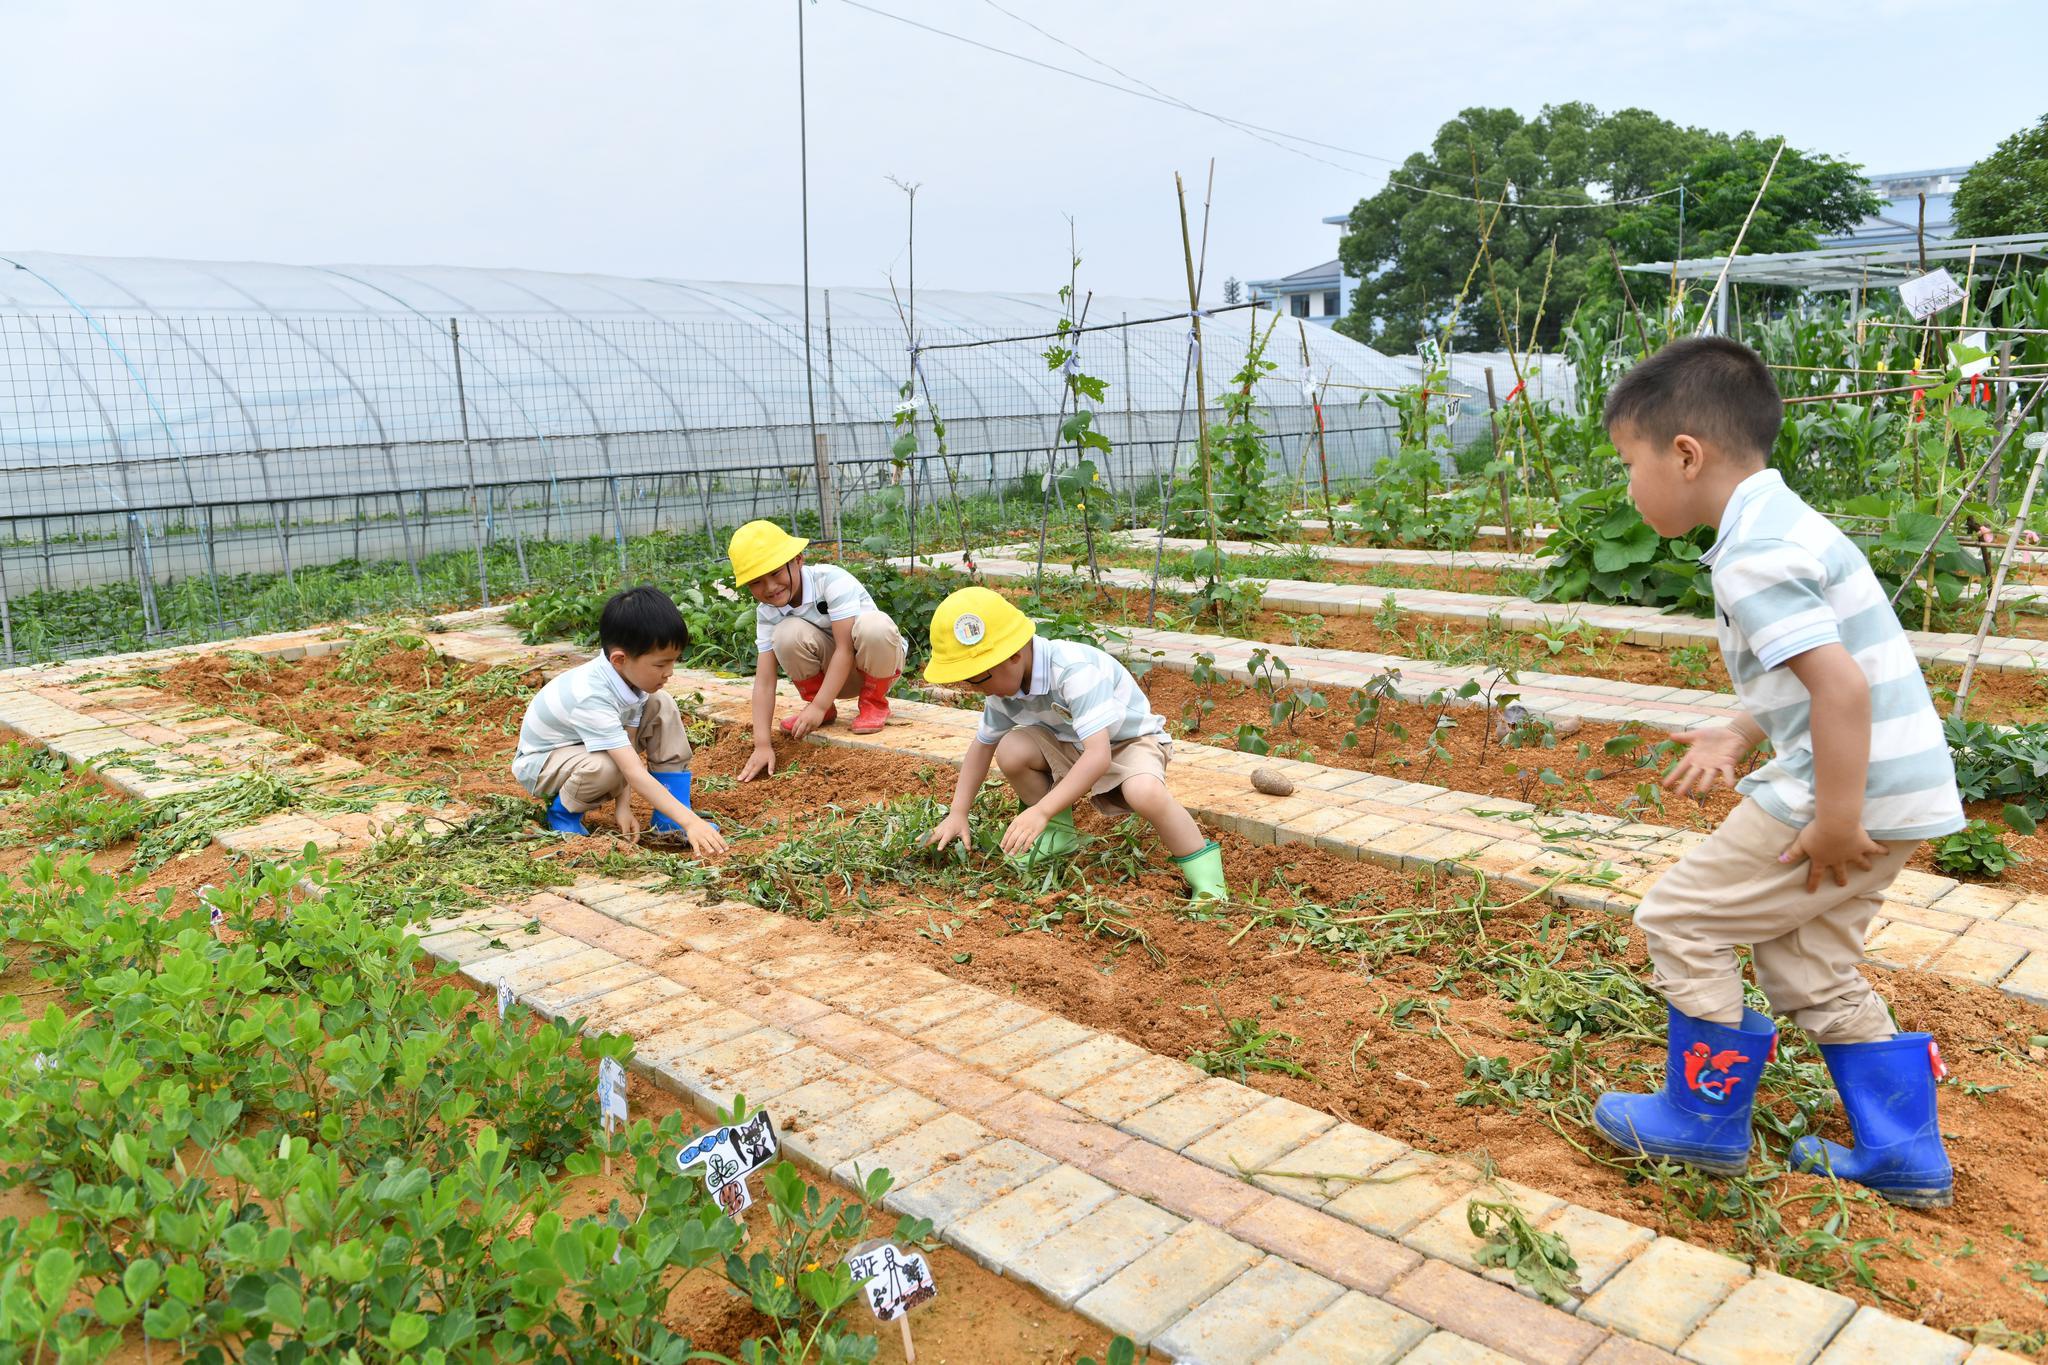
x=822, y=628
x=1859, y=775
x=1064, y=720
x=584, y=734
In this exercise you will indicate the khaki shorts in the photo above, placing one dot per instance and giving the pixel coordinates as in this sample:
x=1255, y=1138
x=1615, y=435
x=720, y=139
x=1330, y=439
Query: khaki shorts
x=1144, y=756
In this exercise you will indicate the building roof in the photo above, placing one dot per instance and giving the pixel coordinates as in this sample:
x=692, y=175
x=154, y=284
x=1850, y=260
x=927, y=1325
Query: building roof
x=1326, y=276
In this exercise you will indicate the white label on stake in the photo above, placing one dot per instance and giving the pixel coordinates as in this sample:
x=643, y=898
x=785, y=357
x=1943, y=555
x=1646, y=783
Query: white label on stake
x=1931, y=293
x=505, y=998
x=892, y=1280
x=735, y=1198
x=729, y=1154
x=611, y=1090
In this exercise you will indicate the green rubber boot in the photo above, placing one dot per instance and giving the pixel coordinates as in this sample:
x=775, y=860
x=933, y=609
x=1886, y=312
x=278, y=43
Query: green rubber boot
x=1204, y=870
x=1058, y=839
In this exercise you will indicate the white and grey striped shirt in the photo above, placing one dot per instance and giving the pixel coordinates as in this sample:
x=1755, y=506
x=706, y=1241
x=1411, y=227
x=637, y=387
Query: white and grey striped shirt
x=1074, y=691
x=589, y=705
x=1787, y=581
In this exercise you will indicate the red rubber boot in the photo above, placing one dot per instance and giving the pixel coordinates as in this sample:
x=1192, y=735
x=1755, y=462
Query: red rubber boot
x=807, y=688
x=874, y=704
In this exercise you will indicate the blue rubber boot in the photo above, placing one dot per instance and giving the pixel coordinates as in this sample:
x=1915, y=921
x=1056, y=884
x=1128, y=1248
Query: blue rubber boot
x=562, y=820
x=1887, y=1093
x=678, y=785
x=1701, y=1116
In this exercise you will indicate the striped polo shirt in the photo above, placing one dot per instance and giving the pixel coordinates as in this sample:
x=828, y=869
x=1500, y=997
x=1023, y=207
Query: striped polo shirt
x=827, y=593
x=1075, y=690
x=590, y=705
x=1787, y=581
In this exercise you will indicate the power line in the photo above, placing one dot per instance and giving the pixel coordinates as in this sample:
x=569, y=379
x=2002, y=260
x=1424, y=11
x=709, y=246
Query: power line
x=1263, y=133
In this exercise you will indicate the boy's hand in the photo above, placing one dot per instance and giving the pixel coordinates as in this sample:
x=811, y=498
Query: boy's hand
x=703, y=839
x=1024, y=831
x=951, y=828
x=806, y=720
x=1712, y=754
x=629, y=823
x=760, y=763
x=1835, y=847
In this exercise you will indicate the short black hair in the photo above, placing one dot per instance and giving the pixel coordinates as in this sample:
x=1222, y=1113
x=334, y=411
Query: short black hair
x=641, y=620
x=1711, y=388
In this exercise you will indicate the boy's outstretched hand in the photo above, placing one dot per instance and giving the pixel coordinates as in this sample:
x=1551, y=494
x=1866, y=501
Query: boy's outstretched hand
x=1712, y=754
x=760, y=763
x=1024, y=831
x=1834, y=848
x=951, y=828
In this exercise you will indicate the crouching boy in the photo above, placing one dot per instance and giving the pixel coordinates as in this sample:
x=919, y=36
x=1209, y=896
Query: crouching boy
x=1064, y=720
x=816, y=623
x=1859, y=775
x=607, y=728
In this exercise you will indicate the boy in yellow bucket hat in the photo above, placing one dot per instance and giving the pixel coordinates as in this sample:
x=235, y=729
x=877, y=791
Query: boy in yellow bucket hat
x=1063, y=720
x=821, y=627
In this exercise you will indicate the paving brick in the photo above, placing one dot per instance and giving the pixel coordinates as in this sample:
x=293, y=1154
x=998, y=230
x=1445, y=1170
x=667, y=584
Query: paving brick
x=1447, y=1233
x=1991, y=1355
x=748, y=1050
x=1665, y=1293
x=521, y=951
x=1620, y=1350
x=1448, y=1348
x=1601, y=1244
x=1052, y=1127
x=1171, y=1180
x=783, y=1073
x=1905, y=945
x=1874, y=1337
x=1977, y=959
x=912, y=1156
x=956, y=1189
x=866, y=1125
x=970, y=1030
x=1769, y=1320
x=1003, y=1230
x=1978, y=902
x=850, y=1037
x=1355, y=1330
x=1074, y=1260
x=1251, y=1315
x=1314, y=1173
x=561, y=999
x=1193, y=1113
x=524, y=980
x=913, y=1016
x=812, y=1103
x=952, y=1083
x=666, y=1012
x=1144, y=1083
x=1027, y=1046
x=1256, y=1139
x=1402, y=1193
x=2029, y=980
x=1329, y=1246
x=1494, y=1315
x=1064, y=1072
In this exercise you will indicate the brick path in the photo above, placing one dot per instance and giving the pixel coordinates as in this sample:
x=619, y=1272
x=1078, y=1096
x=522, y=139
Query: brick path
x=1638, y=625
x=1210, y=1220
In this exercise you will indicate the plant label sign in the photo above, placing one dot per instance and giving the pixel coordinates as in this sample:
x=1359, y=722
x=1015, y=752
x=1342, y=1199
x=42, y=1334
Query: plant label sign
x=730, y=1155
x=505, y=998
x=1930, y=294
x=894, y=1281
x=611, y=1091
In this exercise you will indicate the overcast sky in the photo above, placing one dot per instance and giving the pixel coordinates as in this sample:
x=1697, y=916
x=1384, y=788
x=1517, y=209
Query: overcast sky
x=637, y=137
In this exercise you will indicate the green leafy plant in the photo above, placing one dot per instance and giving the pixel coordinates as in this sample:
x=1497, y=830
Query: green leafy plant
x=1245, y=1048
x=1540, y=1260
x=1976, y=850
x=1603, y=551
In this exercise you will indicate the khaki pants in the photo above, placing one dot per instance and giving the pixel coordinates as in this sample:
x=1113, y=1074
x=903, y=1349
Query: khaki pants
x=586, y=780
x=1733, y=891
x=1144, y=756
x=803, y=649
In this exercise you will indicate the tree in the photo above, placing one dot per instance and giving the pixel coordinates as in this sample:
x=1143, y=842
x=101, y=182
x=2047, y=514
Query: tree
x=1232, y=291
x=1412, y=250
x=2007, y=191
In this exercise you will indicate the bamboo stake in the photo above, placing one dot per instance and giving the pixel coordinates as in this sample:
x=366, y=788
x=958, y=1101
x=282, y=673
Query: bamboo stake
x=2012, y=540
x=1322, y=451
x=1201, y=389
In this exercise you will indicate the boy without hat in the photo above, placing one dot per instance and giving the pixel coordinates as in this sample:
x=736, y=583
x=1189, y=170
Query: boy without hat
x=822, y=628
x=1859, y=775
x=584, y=734
x=1064, y=720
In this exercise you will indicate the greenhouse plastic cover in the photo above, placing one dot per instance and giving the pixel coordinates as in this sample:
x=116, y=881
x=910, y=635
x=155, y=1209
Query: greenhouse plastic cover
x=110, y=359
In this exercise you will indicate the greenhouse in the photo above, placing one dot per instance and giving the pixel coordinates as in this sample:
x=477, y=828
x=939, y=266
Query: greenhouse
x=167, y=420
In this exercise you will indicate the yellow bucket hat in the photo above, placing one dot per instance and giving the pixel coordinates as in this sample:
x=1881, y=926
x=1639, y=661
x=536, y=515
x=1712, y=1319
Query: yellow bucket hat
x=761, y=547
x=972, y=631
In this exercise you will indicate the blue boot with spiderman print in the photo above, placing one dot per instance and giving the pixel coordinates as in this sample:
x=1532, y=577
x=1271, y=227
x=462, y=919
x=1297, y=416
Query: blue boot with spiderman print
x=1701, y=1116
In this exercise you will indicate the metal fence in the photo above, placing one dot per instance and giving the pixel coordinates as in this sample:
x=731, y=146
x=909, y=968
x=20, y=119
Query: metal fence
x=144, y=456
